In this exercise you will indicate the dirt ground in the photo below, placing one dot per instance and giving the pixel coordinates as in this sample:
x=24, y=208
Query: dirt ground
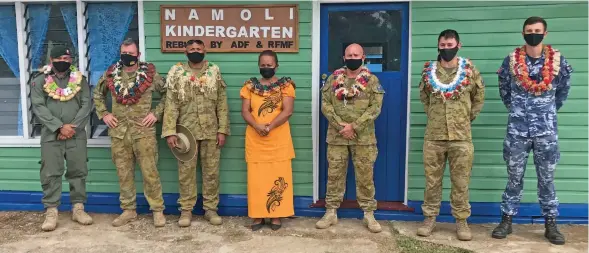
x=20, y=232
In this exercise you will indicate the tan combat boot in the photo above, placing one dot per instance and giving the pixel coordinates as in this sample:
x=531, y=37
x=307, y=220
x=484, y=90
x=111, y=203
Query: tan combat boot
x=330, y=218
x=463, y=230
x=159, y=220
x=185, y=219
x=126, y=217
x=213, y=218
x=370, y=221
x=428, y=226
x=50, y=222
x=80, y=216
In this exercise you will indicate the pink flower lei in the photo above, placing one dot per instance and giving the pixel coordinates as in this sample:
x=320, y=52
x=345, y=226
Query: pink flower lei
x=339, y=82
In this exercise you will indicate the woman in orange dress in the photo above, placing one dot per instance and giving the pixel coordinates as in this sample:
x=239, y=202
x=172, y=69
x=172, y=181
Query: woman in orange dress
x=267, y=104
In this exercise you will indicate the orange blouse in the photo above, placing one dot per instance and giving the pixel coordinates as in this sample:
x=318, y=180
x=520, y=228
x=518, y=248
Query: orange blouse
x=266, y=105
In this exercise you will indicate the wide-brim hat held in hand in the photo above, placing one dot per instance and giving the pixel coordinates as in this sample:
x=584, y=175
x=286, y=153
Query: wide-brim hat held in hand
x=186, y=149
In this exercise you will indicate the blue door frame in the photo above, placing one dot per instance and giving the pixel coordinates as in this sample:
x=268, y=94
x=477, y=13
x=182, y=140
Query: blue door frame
x=391, y=125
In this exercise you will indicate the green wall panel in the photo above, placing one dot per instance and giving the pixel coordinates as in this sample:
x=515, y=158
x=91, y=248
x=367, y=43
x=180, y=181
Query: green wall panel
x=489, y=31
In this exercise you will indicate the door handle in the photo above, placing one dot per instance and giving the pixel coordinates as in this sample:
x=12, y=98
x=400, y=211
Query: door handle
x=323, y=78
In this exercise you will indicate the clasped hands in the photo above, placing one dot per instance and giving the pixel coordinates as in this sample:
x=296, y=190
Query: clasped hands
x=263, y=129
x=348, y=131
x=66, y=131
x=112, y=122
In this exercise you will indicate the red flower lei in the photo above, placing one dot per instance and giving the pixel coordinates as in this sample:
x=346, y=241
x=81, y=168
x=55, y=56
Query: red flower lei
x=520, y=70
x=138, y=89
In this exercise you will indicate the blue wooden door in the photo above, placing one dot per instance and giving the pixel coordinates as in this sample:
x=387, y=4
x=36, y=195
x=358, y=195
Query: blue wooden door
x=383, y=30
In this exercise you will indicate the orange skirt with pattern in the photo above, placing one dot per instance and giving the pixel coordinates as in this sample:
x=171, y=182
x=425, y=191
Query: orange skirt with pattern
x=270, y=189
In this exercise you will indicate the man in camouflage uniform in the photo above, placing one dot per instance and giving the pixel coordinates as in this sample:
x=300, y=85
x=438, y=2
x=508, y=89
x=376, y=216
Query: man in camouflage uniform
x=450, y=105
x=196, y=98
x=132, y=129
x=60, y=97
x=532, y=123
x=352, y=100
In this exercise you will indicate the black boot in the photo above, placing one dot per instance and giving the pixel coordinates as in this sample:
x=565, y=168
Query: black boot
x=552, y=233
x=504, y=228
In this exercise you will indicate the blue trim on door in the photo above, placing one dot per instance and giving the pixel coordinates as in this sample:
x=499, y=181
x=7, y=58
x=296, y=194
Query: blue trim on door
x=236, y=205
x=395, y=143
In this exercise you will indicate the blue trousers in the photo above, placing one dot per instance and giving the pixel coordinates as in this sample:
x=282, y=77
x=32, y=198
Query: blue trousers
x=516, y=150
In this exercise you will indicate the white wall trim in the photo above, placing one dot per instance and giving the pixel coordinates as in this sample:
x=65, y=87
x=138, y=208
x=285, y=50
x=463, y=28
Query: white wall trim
x=141, y=25
x=19, y=9
x=82, y=47
x=315, y=86
x=408, y=129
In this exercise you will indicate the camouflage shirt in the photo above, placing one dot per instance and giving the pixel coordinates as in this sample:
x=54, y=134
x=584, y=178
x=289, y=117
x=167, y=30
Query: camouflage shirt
x=130, y=117
x=360, y=111
x=53, y=113
x=197, y=100
x=450, y=119
x=531, y=115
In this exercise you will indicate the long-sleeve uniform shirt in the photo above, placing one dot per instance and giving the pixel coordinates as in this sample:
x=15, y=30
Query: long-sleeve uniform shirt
x=53, y=113
x=531, y=115
x=450, y=120
x=130, y=117
x=360, y=111
x=196, y=99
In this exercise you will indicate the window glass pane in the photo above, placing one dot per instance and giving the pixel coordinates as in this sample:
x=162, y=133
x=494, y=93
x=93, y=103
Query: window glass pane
x=108, y=25
x=379, y=32
x=10, y=110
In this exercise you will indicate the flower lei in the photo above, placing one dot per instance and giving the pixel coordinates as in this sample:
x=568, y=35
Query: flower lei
x=519, y=69
x=179, y=77
x=339, y=82
x=451, y=90
x=62, y=94
x=254, y=85
x=129, y=93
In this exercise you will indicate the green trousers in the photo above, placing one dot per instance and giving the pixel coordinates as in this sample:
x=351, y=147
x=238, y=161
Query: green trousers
x=53, y=155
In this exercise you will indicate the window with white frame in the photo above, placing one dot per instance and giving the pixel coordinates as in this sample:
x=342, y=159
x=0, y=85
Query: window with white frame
x=10, y=112
x=105, y=26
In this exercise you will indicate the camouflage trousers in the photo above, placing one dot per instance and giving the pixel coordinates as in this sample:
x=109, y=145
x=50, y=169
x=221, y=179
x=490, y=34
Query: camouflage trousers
x=53, y=154
x=210, y=154
x=363, y=158
x=516, y=150
x=127, y=151
x=460, y=155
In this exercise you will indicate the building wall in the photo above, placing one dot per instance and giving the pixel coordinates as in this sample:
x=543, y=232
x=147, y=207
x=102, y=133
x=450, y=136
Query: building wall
x=19, y=167
x=489, y=31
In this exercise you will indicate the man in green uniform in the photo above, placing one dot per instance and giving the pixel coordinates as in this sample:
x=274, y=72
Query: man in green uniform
x=352, y=100
x=61, y=101
x=196, y=98
x=452, y=93
x=132, y=129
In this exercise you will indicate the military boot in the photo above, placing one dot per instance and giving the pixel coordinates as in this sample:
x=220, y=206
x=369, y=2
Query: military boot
x=373, y=225
x=126, y=217
x=330, y=218
x=185, y=219
x=50, y=222
x=504, y=228
x=159, y=220
x=213, y=218
x=552, y=233
x=80, y=216
x=462, y=230
x=429, y=223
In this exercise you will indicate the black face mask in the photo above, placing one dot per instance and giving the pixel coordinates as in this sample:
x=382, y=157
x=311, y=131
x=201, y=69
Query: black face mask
x=128, y=60
x=61, y=66
x=533, y=39
x=267, y=72
x=195, y=57
x=353, y=64
x=448, y=54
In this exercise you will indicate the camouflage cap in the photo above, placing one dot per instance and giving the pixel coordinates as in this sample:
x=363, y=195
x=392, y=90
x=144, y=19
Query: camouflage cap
x=59, y=50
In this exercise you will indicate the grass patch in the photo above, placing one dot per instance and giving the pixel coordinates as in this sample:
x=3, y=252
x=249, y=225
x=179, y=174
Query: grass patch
x=406, y=244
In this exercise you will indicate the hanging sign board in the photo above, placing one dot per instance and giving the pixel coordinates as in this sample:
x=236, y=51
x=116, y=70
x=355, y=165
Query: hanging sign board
x=230, y=28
